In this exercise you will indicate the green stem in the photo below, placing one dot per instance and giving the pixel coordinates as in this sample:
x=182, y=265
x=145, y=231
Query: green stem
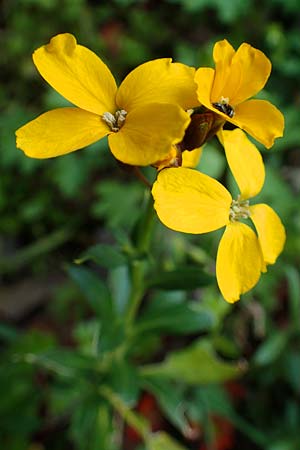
x=139, y=265
x=133, y=419
x=137, y=290
x=145, y=226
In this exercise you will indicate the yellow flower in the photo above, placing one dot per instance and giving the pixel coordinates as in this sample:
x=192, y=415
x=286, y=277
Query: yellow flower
x=225, y=90
x=192, y=202
x=143, y=118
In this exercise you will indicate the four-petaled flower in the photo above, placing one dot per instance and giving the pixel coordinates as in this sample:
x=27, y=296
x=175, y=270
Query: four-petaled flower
x=192, y=202
x=143, y=118
x=226, y=90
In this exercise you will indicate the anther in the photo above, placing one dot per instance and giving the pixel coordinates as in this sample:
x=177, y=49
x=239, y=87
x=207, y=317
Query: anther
x=115, y=122
x=239, y=210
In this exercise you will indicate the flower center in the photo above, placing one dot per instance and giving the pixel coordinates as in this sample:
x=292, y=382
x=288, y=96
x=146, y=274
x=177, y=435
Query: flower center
x=115, y=121
x=223, y=106
x=239, y=209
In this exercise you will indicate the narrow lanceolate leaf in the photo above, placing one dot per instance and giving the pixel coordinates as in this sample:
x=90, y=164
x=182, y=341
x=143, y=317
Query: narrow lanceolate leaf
x=197, y=364
x=96, y=293
x=104, y=255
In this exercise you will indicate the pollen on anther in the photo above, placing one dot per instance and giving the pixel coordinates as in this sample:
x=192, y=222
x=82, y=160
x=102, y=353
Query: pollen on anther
x=115, y=121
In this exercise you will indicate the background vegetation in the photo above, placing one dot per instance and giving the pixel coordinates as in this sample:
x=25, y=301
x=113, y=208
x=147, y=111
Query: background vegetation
x=246, y=391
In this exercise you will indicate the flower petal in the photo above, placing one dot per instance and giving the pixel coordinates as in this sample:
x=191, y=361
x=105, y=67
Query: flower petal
x=173, y=159
x=239, y=261
x=248, y=72
x=204, y=77
x=260, y=119
x=148, y=134
x=223, y=53
x=189, y=201
x=245, y=162
x=158, y=81
x=59, y=132
x=191, y=158
x=271, y=232
x=77, y=73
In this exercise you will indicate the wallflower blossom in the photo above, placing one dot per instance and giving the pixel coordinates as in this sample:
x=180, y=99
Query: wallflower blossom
x=192, y=202
x=143, y=118
x=226, y=90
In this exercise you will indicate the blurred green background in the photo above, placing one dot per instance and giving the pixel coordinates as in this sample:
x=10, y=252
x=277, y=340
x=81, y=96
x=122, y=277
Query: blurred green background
x=52, y=210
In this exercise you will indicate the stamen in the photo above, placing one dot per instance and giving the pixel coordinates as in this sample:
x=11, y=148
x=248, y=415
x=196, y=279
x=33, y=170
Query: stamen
x=224, y=100
x=239, y=210
x=115, y=122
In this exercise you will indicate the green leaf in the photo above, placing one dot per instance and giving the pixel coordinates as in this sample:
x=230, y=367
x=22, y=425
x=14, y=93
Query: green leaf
x=21, y=399
x=120, y=286
x=162, y=441
x=173, y=315
x=64, y=394
x=271, y=348
x=170, y=397
x=196, y=364
x=104, y=255
x=291, y=364
x=123, y=378
x=91, y=425
x=94, y=291
x=32, y=342
x=182, y=278
x=211, y=399
x=111, y=331
x=88, y=336
x=63, y=362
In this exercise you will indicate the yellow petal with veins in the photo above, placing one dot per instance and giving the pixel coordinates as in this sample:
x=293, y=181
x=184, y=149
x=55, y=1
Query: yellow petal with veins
x=77, y=74
x=239, y=261
x=189, y=201
x=240, y=76
x=60, y=131
x=223, y=53
x=158, y=81
x=271, y=232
